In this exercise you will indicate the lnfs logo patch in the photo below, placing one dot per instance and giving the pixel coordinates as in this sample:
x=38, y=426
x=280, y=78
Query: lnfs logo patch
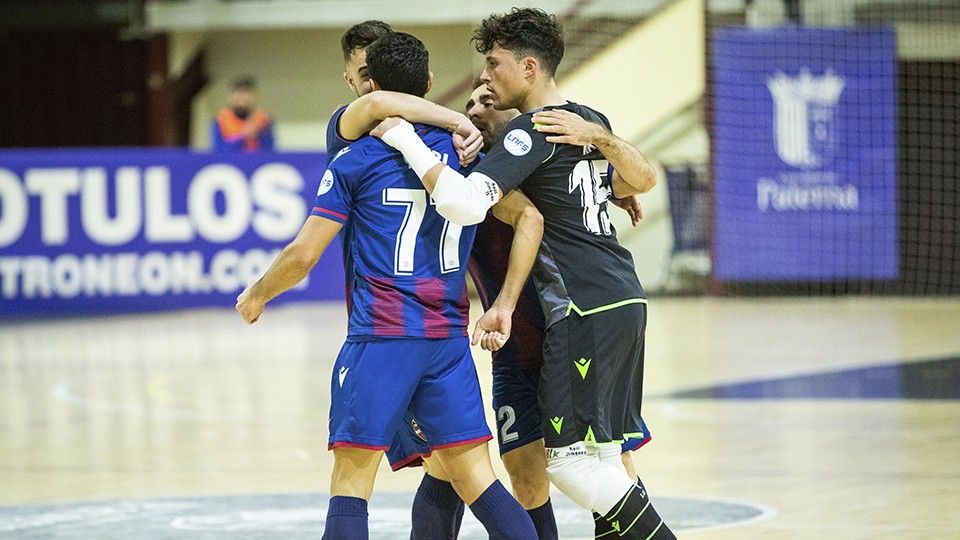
x=325, y=183
x=518, y=142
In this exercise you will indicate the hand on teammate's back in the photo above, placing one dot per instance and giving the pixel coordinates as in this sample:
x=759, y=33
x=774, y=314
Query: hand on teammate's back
x=565, y=127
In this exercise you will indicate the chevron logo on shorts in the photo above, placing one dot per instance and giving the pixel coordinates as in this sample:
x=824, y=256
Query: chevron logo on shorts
x=583, y=365
x=557, y=422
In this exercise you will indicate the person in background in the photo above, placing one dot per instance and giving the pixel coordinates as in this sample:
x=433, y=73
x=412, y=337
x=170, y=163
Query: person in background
x=241, y=126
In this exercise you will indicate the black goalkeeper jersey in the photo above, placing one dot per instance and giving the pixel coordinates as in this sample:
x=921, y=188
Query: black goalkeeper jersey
x=580, y=266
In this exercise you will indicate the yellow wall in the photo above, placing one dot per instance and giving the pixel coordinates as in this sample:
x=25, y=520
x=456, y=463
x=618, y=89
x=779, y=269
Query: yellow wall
x=299, y=73
x=652, y=72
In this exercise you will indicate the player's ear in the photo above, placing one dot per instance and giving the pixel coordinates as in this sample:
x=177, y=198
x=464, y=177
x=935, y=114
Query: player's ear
x=429, y=82
x=346, y=79
x=530, y=66
x=374, y=85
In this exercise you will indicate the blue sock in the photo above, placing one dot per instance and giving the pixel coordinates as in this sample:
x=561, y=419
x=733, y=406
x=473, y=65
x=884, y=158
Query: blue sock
x=544, y=521
x=437, y=510
x=346, y=519
x=501, y=515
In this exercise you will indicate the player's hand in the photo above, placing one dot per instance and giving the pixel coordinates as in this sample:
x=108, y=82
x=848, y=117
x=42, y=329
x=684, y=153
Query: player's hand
x=493, y=329
x=566, y=127
x=248, y=307
x=386, y=125
x=632, y=206
x=468, y=141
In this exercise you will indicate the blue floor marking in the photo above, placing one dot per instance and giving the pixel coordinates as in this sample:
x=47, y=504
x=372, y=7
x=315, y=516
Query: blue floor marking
x=934, y=379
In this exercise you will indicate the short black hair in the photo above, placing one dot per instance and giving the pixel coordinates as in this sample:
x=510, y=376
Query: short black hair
x=361, y=35
x=399, y=62
x=244, y=82
x=524, y=32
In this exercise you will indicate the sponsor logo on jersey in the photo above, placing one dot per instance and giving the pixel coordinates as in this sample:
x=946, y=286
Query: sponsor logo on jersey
x=325, y=183
x=343, y=375
x=557, y=422
x=518, y=142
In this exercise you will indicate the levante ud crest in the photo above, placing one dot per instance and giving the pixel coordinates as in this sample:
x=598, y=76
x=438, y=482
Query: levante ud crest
x=805, y=117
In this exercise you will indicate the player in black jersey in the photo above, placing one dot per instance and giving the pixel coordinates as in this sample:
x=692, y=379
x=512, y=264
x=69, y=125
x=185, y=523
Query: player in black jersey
x=595, y=309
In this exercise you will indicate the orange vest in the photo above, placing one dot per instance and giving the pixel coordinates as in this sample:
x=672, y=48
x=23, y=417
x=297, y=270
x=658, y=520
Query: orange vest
x=232, y=127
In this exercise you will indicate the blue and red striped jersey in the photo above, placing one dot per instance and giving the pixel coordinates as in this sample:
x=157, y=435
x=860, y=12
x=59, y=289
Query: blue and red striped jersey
x=405, y=263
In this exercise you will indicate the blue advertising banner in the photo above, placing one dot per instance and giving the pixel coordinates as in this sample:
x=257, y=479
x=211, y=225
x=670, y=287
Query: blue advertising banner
x=126, y=230
x=805, y=154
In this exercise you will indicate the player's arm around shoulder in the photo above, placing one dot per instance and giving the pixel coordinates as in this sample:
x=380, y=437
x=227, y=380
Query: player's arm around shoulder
x=461, y=200
x=368, y=110
x=632, y=175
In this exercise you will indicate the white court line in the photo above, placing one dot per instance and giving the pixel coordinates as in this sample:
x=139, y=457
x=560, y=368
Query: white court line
x=62, y=391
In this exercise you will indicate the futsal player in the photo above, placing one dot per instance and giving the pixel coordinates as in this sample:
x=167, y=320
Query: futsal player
x=516, y=366
x=369, y=108
x=408, y=314
x=591, y=381
x=437, y=510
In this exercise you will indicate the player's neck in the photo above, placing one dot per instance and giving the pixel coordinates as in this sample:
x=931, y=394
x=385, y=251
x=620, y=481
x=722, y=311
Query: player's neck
x=542, y=96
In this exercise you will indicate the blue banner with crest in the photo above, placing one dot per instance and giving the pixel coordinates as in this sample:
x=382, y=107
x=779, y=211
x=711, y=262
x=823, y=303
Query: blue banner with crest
x=805, y=154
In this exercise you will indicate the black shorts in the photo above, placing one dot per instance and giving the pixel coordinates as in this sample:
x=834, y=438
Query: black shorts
x=592, y=379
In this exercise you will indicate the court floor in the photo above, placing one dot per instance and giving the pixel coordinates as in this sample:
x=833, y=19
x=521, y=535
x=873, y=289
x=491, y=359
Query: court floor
x=772, y=418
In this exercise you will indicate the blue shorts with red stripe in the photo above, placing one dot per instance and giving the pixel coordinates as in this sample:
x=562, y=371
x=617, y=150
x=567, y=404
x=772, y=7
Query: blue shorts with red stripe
x=409, y=445
x=375, y=384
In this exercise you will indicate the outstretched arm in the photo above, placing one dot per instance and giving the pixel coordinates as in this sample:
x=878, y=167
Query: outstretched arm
x=290, y=267
x=493, y=328
x=368, y=110
x=632, y=172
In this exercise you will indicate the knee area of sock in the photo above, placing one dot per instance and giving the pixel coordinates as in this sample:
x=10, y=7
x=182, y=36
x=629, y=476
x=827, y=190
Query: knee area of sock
x=568, y=471
x=586, y=480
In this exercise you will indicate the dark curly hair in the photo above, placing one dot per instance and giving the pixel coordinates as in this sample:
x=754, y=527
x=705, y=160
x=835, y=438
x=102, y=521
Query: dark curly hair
x=361, y=35
x=524, y=32
x=399, y=62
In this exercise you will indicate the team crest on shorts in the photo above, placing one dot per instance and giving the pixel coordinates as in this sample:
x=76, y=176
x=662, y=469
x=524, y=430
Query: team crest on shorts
x=417, y=430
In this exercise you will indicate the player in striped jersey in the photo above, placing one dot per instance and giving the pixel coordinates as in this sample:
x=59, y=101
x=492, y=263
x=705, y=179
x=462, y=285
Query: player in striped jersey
x=406, y=345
